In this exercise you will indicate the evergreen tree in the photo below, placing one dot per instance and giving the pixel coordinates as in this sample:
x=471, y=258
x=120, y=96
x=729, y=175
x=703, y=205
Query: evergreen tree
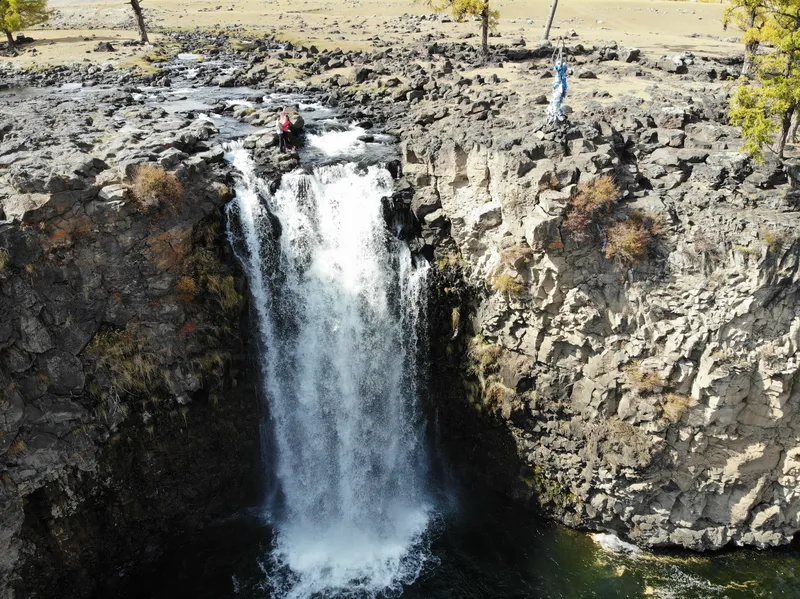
x=464, y=9
x=765, y=106
x=750, y=17
x=16, y=15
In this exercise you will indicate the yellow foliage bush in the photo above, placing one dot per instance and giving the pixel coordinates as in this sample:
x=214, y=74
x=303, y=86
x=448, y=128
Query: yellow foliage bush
x=154, y=187
x=506, y=284
x=186, y=288
x=628, y=241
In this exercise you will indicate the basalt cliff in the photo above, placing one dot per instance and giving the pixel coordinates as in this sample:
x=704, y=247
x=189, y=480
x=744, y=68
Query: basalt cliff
x=641, y=366
x=642, y=384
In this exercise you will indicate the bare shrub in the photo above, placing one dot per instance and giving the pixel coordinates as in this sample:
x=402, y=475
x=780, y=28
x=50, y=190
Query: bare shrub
x=628, y=241
x=153, y=187
x=591, y=200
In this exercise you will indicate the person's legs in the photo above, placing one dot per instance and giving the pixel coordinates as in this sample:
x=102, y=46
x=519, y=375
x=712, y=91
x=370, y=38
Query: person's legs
x=282, y=142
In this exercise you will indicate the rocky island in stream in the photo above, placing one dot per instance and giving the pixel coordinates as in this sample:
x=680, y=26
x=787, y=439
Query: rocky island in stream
x=596, y=317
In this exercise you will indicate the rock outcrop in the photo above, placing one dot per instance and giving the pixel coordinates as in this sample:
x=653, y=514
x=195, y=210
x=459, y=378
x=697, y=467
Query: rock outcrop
x=658, y=398
x=126, y=411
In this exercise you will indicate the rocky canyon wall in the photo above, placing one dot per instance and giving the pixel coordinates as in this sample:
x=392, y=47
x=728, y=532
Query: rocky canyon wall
x=127, y=413
x=656, y=399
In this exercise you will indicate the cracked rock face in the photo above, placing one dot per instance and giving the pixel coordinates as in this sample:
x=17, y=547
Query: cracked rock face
x=119, y=334
x=659, y=399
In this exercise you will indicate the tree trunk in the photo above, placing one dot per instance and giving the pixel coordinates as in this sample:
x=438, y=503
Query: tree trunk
x=786, y=122
x=786, y=125
x=750, y=49
x=140, y=21
x=793, y=136
x=485, y=30
x=546, y=34
x=10, y=37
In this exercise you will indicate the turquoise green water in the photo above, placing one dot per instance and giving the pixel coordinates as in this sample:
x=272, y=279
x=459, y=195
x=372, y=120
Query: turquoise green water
x=487, y=549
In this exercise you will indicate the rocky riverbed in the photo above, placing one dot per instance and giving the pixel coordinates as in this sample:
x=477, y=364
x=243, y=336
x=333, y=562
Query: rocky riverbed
x=655, y=399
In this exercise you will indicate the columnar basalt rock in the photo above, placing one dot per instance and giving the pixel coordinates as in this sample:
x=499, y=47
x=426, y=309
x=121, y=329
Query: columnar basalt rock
x=658, y=399
x=126, y=410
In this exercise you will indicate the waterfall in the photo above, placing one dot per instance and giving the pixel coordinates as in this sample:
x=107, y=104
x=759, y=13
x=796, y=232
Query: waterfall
x=339, y=303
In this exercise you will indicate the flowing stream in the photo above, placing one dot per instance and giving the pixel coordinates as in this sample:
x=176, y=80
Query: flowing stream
x=339, y=303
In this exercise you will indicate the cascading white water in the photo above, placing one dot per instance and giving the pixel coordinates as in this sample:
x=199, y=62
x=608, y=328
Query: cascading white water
x=338, y=302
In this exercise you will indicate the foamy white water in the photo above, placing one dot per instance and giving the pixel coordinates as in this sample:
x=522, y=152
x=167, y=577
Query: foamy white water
x=338, y=143
x=339, y=304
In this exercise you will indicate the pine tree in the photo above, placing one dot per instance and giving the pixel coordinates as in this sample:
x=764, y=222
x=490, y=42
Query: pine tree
x=464, y=9
x=750, y=17
x=16, y=15
x=765, y=106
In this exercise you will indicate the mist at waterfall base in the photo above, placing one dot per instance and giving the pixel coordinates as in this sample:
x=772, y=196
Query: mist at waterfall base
x=354, y=509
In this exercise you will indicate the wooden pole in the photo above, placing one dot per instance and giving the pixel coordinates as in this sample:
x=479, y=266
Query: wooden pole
x=546, y=34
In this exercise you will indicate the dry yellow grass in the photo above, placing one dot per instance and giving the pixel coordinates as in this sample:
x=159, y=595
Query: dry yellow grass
x=627, y=242
x=350, y=24
x=675, y=406
x=591, y=201
x=641, y=379
x=507, y=285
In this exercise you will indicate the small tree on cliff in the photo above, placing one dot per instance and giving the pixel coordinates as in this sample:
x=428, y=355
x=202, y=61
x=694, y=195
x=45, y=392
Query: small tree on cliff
x=137, y=10
x=16, y=15
x=766, y=105
x=464, y=9
x=750, y=17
